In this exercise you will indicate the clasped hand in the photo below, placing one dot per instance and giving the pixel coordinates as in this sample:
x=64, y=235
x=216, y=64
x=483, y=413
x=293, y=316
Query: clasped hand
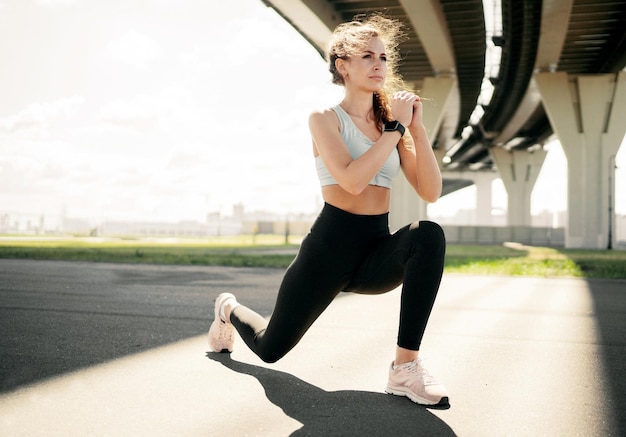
x=406, y=107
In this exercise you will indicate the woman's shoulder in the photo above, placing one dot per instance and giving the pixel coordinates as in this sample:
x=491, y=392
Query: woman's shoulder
x=324, y=112
x=324, y=116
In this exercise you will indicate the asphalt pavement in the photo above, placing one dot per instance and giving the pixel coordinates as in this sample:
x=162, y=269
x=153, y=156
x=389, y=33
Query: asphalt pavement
x=113, y=349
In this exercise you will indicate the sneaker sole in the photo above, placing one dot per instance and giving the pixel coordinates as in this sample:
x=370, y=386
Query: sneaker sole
x=443, y=402
x=221, y=351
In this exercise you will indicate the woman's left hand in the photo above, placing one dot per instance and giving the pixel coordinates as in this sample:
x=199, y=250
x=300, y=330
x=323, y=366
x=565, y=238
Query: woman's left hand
x=416, y=120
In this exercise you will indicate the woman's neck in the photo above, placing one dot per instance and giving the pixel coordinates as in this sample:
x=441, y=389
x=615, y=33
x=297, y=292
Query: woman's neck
x=359, y=105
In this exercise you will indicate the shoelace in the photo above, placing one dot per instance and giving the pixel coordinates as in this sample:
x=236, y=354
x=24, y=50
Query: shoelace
x=418, y=368
x=224, y=333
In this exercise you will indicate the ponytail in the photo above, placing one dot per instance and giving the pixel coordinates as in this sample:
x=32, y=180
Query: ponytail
x=382, y=112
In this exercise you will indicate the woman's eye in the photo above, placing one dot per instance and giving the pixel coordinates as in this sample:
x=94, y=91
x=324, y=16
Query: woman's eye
x=367, y=56
x=383, y=58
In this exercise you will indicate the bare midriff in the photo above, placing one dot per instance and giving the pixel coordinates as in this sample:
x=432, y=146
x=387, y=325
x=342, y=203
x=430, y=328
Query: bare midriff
x=373, y=200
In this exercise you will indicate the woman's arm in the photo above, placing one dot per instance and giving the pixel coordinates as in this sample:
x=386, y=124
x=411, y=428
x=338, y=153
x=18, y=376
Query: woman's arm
x=353, y=175
x=418, y=160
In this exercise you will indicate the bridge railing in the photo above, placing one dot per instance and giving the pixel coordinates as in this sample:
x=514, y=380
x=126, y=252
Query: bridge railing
x=533, y=236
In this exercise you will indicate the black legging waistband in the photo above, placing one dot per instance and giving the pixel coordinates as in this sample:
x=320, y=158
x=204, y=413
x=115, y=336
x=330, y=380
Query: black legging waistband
x=343, y=224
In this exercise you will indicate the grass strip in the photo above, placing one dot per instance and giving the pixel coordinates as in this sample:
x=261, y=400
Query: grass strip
x=508, y=259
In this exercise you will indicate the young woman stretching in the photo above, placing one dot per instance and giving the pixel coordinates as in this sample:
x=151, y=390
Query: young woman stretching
x=359, y=146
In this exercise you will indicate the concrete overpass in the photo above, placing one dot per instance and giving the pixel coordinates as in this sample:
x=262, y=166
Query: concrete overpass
x=505, y=77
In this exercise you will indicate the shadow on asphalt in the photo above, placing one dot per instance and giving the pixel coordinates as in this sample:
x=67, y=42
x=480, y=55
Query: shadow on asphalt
x=58, y=317
x=345, y=412
x=609, y=308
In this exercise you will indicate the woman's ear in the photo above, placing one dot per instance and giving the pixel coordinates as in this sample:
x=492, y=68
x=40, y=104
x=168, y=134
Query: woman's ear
x=340, y=65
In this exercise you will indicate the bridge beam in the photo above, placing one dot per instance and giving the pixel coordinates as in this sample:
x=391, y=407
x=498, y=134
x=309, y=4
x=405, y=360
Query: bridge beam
x=587, y=113
x=518, y=170
x=406, y=205
x=313, y=19
x=429, y=22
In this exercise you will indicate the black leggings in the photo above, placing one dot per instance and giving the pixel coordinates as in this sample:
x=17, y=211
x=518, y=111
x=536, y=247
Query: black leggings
x=354, y=253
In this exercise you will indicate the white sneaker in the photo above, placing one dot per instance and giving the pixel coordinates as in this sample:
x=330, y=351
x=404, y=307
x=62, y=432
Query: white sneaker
x=221, y=332
x=413, y=381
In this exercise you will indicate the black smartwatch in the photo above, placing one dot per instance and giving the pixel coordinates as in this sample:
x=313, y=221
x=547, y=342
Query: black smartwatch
x=392, y=126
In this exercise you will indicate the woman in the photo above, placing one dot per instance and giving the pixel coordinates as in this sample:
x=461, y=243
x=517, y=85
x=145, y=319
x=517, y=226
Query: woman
x=359, y=146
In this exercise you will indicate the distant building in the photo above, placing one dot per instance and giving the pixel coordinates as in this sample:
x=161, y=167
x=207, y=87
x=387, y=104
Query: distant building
x=183, y=229
x=547, y=229
x=22, y=223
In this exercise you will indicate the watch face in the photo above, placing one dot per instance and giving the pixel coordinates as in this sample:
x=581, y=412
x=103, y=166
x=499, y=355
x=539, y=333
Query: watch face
x=391, y=126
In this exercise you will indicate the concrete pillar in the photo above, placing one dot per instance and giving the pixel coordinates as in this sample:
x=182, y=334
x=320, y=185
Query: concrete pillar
x=484, y=195
x=587, y=113
x=519, y=170
x=406, y=205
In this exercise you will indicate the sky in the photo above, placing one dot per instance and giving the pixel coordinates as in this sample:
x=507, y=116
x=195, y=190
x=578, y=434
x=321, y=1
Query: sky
x=169, y=110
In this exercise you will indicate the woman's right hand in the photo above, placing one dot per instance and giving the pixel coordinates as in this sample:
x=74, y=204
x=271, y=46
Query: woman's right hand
x=402, y=107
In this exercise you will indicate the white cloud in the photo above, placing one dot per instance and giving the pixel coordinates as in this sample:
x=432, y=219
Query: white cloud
x=137, y=113
x=169, y=127
x=195, y=58
x=150, y=111
x=38, y=115
x=133, y=48
x=56, y=2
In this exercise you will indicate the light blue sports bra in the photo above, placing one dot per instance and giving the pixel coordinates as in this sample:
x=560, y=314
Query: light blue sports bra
x=358, y=143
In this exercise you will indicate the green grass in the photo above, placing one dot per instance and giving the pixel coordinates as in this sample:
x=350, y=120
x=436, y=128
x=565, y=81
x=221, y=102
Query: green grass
x=271, y=251
x=520, y=260
x=245, y=251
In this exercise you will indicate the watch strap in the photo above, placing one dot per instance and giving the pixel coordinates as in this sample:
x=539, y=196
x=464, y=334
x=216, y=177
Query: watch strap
x=394, y=125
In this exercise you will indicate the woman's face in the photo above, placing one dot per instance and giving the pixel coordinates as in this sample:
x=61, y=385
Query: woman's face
x=367, y=69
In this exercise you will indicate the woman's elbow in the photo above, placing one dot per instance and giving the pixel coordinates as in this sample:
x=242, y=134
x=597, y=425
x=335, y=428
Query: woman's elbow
x=431, y=195
x=353, y=186
x=353, y=189
x=431, y=198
